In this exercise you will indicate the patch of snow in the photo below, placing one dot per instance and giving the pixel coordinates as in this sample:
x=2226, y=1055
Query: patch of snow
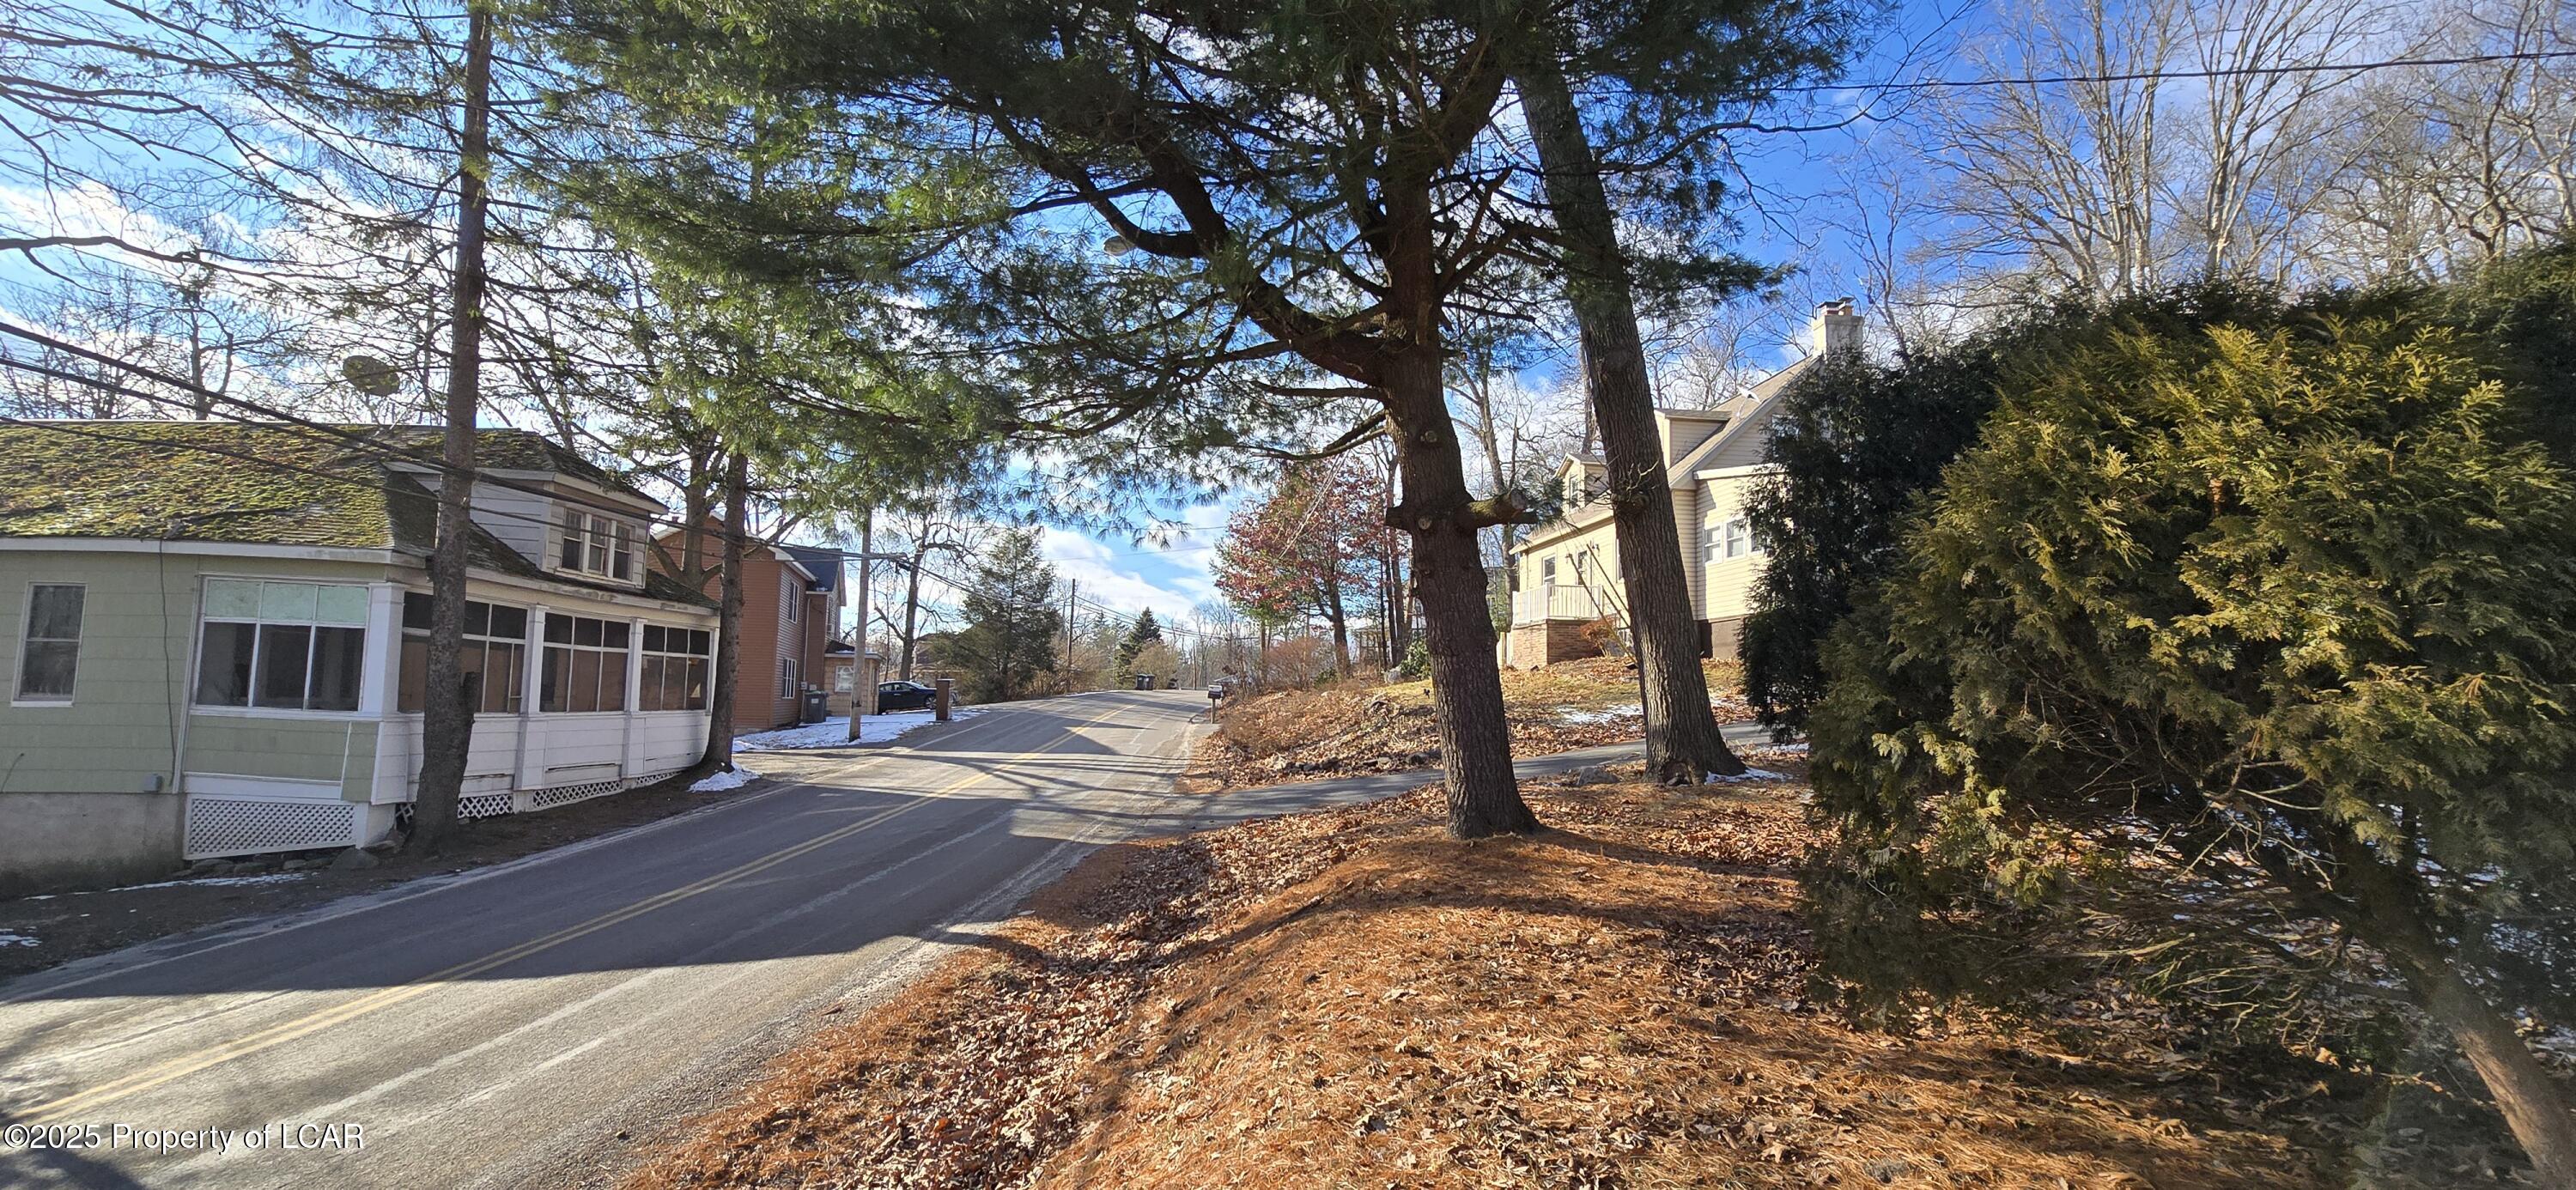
x=1747, y=775
x=9, y=939
x=1581, y=718
x=835, y=733
x=216, y=882
x=718, y=782
x=1796, y=749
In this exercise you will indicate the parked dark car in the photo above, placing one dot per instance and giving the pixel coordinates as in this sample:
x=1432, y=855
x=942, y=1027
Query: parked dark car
x=904, y=696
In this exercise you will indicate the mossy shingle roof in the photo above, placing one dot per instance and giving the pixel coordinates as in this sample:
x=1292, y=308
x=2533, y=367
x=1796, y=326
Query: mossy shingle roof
x=260, y=484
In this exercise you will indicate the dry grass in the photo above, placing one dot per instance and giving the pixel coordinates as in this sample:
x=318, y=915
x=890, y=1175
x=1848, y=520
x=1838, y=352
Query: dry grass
x=1360, y=728
x=1351, y=998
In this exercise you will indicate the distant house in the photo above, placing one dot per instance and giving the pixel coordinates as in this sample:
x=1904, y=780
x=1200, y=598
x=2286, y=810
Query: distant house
x=792, y=597
x=1566, y=573
x=215, y=636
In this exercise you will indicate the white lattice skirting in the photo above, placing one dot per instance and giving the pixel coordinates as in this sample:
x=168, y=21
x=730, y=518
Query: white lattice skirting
x=528, y=801
x=220, y=826
x=484, y=805
x=250, y=826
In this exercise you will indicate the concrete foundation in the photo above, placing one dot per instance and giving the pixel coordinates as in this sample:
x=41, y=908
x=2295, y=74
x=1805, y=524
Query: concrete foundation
x=59, y=841
x=1724, y=637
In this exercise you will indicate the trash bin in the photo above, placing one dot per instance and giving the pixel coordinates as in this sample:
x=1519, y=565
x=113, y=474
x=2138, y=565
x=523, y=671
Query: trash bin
x=1144, y=681
x=817, y=707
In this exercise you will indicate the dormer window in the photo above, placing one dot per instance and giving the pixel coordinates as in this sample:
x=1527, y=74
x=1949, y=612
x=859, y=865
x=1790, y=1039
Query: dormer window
x=597, y=545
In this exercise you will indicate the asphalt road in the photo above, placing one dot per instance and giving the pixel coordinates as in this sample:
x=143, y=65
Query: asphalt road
x=536, y=1023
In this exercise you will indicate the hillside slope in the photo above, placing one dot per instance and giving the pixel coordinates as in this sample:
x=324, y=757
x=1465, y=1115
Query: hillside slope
x=1352, y=728
x=1350, y=998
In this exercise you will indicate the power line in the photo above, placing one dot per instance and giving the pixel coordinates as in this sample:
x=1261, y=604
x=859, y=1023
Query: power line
x=2140, y=76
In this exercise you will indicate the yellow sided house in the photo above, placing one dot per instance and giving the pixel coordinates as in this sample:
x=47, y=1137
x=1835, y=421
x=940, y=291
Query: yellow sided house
x=214, y=637
x=1566, y=589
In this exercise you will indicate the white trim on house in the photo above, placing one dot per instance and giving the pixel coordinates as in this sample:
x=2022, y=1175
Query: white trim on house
x=1732, y=472
x=236, y=549
x=547, y=586
x=575, y=482
x=224, y=712
x=263, y=788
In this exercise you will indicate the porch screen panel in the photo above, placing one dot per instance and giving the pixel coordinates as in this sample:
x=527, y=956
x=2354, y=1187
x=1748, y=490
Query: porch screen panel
x=494, y=648
x=675, y=669
x=585, y=665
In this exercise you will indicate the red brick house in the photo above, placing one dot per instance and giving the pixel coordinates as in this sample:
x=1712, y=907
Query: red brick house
x=792, y=598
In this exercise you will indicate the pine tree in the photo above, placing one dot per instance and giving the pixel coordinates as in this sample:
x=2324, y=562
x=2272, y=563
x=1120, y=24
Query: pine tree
x=1145, y=240
x=1012, y=617
x=2219, y=649
x=1145, y=632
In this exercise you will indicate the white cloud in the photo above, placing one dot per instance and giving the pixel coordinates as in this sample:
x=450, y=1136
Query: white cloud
x=1091, y=565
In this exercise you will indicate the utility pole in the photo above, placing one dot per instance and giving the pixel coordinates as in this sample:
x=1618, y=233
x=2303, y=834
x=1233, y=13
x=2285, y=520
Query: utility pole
x=1072, y=587
x=863, y=687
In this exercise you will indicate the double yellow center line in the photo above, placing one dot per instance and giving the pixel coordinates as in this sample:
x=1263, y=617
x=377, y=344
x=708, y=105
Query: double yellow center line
x=280, y=1034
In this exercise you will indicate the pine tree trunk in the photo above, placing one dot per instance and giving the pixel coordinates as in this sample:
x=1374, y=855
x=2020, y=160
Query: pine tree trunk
x=728, y=683
x=693, y=540
x=911, y=614
x=1682, y=737
x=1443, y=519
x=447, y=715
x=1449, y=578
x=2524, y=1094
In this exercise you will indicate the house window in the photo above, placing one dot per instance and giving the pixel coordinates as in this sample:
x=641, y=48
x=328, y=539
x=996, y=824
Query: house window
x=49, y=656
x=1739, y=537
x=1710, y=546
x=675, y=669
x=594, y=544
x=786, y=677
x=1547, y=572
x=281, y=646
x=585, y=665
x=496, y=641
x=788, y=591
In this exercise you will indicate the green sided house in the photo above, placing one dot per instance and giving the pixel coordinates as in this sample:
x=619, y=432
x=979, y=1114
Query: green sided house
x=213, y=636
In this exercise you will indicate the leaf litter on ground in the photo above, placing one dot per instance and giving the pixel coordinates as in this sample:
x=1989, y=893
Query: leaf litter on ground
x=1349, y=997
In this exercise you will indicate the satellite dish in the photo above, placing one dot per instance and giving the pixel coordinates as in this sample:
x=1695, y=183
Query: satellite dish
x=370, y=375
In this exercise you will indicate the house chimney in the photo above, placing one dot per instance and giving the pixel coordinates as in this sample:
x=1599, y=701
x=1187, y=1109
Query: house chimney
x=1836, y=328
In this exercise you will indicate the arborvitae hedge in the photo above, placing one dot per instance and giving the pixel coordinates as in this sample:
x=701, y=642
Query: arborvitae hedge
x=2222, y=644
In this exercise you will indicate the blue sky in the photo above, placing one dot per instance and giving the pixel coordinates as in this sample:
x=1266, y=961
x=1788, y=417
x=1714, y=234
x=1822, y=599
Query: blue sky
x=1170, y=571
x=1169, y=576
x=1785, y=174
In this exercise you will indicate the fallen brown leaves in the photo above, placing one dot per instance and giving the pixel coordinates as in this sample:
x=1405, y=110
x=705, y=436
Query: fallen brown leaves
x=1354, y=728
x=1350, y=997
